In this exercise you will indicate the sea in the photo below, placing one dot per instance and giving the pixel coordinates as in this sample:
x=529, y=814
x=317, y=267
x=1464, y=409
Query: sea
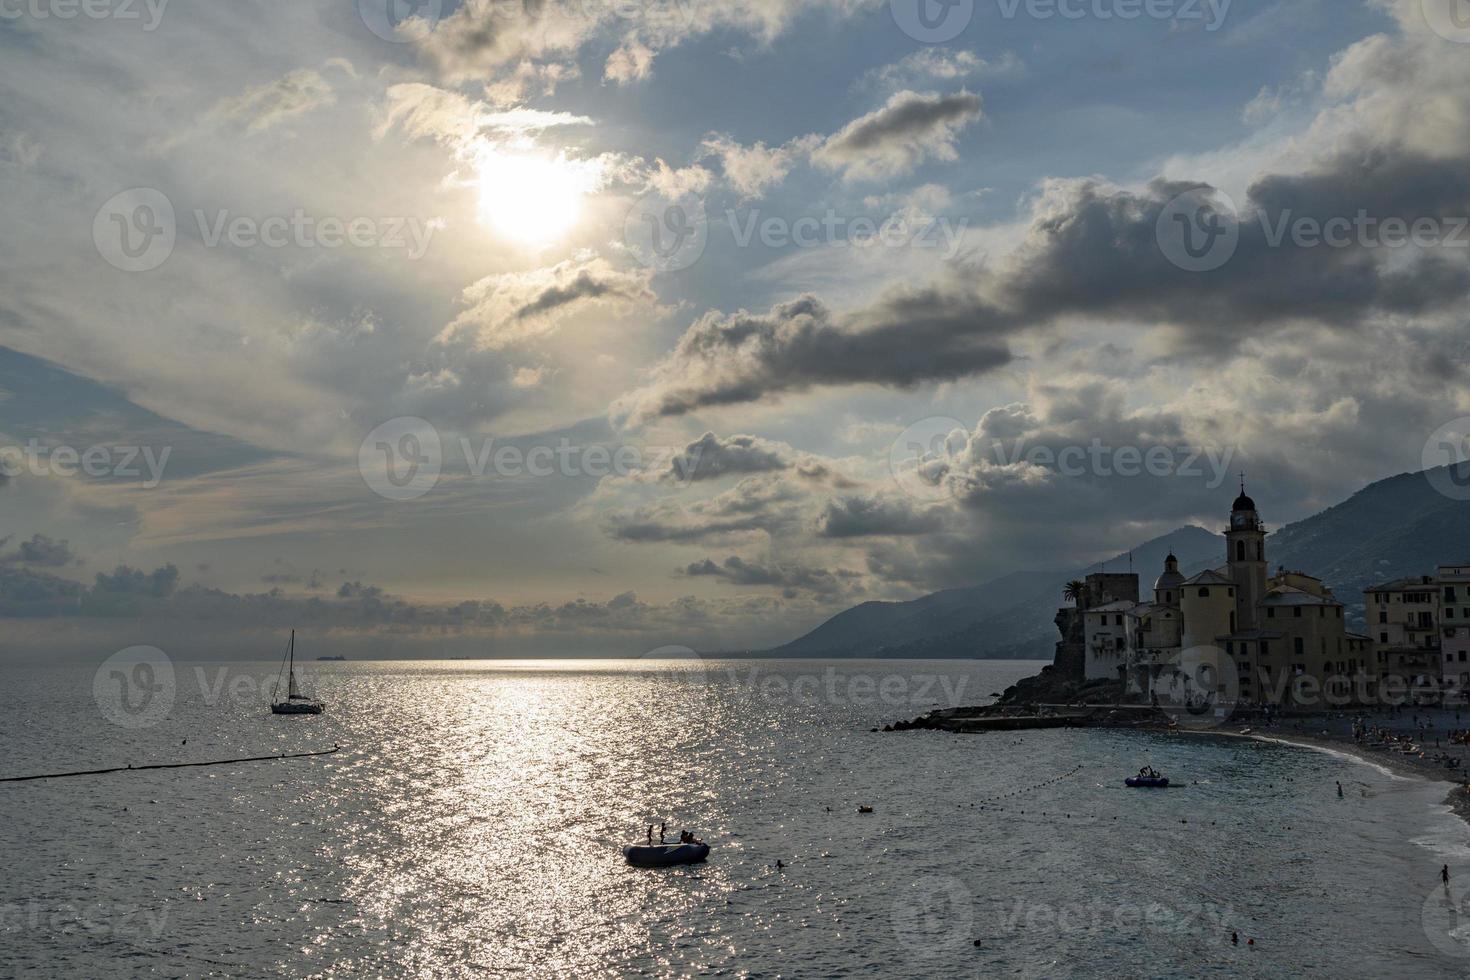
x=471, y=822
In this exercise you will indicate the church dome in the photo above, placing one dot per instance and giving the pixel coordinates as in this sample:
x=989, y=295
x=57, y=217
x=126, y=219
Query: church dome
x=1243, y=503
x=1169, y=580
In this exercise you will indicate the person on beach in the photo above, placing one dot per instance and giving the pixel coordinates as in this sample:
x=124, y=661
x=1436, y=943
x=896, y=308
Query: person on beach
x=1339, y=789
x=1444, y=874
x=662, y=829
x=650, y=833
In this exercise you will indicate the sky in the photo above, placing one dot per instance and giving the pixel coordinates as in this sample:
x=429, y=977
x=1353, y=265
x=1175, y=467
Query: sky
x=597, y=326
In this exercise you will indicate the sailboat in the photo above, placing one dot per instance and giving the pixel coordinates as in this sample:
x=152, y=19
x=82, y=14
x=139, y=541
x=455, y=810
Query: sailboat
x=296, y=703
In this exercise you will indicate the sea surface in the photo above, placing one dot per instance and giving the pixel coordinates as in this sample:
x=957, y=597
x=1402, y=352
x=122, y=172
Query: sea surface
x=471, y=823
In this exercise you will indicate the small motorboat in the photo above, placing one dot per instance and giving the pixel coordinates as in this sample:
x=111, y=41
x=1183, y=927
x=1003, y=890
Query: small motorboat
x=665, y=855
x=865, y=809
x=1147, y=781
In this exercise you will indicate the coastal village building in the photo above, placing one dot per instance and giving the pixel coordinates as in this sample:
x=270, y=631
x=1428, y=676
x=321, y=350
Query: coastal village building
x=1403, y=617
x=1421, y=630
x=1454, y=594
x=1274, y=630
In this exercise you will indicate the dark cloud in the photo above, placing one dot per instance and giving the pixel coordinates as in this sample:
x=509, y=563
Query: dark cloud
x=41, y=551
x=907, y=338
x=356, y=590
x=894, y=139
x=585, y=285
x=868, y=516
x=1092, y=250
x=127, y=581
x=710, y=457
x=791, y=579
x=754, y=504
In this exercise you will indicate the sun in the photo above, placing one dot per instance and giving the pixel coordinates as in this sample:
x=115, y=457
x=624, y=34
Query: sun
x=532, y=198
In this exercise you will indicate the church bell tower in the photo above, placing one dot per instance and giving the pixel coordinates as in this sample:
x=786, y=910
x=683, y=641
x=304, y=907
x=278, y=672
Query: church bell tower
x=1245, y=544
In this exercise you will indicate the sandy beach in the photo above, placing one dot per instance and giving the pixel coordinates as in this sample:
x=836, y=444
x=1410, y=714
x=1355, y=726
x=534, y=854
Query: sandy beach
x=1428, y=728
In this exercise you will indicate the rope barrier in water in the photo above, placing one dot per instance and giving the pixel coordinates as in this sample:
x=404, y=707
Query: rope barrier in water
x=169, y=765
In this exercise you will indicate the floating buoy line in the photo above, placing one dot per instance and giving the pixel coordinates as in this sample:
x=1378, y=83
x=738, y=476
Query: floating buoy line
x=984, y=800
x=169, y=765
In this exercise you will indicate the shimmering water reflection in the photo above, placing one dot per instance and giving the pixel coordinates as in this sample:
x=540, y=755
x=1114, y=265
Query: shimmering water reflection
x=473, y=822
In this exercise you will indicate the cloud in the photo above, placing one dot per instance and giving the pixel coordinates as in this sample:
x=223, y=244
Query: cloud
x=632, y=61
x=529, y=79
x=939, y=64
x=755, y=504
x=869, y=516
x=790, y=578
x=481, y=37
x=910, y=128
x=511, y=307
x=908, y=337
x=421, y=111
x=264, y=106
x=41, y=551
x=710, y=457
x=1091, y=250
x=750, y=170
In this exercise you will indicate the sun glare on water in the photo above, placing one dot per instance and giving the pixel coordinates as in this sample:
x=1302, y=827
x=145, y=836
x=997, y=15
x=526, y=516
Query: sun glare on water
x=530, y=198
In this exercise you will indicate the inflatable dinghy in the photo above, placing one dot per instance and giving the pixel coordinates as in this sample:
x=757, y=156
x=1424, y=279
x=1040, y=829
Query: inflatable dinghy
x=1147, y=782
x=664, y=855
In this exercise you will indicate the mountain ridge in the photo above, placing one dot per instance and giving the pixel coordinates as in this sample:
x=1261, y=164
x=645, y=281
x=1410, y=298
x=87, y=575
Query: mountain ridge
x=1391, y=528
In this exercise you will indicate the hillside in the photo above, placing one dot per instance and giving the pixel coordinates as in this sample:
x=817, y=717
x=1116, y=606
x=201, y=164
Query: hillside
x=1018, y=607
x=1393, y=528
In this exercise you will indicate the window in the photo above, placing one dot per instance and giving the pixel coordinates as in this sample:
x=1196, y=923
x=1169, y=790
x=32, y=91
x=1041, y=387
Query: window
x=1118, y=620
x=1449, y=593
x=1204, y=593
x=1296, y=611
x=1239, y=551
x=1382, y=637
x=1270, y=612
x=1383, y=615
x=1299, y=646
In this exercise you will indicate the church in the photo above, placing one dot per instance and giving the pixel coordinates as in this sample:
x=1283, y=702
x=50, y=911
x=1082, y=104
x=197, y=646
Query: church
x=1274, y=630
